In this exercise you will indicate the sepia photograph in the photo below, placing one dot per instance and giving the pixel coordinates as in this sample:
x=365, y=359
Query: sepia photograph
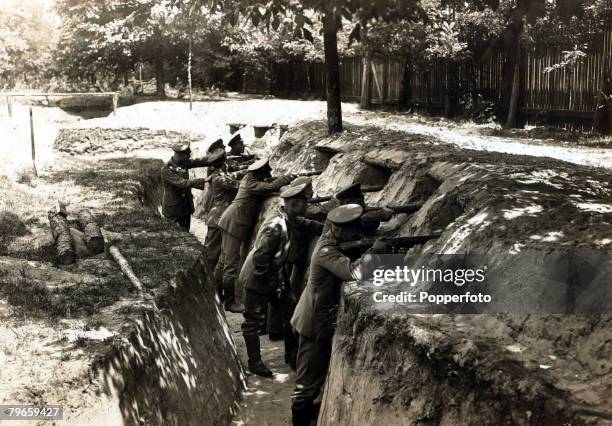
x=306, y=212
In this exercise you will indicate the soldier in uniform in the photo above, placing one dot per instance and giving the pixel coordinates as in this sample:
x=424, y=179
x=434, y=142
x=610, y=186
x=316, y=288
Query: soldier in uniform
x=296, y=266
x=236, y=224
x=352, y=194
x=265, y=278
x=236, y=145
x=315, y=315
x=222, y=189
x=177, y=204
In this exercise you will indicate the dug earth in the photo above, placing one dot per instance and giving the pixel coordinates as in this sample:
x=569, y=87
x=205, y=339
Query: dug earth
x=167, y=356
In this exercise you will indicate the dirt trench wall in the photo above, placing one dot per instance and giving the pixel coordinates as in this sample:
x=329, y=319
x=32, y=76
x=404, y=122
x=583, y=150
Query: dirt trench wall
x=522, y=214
x=164, y=356
x=178, y=367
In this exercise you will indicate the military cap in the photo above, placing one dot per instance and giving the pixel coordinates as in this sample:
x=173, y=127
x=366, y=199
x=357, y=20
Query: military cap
x=181, y=147
x=294, y=191
x=307, y=180
x=351, y=191
x=216, y=155
x=218, y=144
x=235, y=139
x=259, y=164
x=345, y=214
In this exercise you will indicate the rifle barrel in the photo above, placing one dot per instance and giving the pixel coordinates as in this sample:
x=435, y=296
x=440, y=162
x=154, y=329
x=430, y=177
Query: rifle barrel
x=405, y=242
x=368, y=188
x=404, y=208
x=311, y=173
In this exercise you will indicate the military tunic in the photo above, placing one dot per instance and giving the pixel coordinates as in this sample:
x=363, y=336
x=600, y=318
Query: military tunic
x=264, y=276
x=177, y=203
x=315, y=316
x=222, y=190
x=237, y=223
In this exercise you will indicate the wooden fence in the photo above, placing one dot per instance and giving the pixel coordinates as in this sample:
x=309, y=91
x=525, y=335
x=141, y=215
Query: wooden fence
x=566, y=96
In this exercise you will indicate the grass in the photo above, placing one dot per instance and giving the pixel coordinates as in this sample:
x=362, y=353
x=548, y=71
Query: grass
x=36, y=299
x=25, y=177
x=11, y=226
x=118, y=192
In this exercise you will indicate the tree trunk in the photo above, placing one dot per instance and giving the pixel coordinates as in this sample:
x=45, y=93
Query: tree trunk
x=61, y=235
x=366, y=79
x=405, y=88
x=159, y=77
x=601, y=117
x=515, y=94
x=189, y=61
x=447, y=92
x=332, y=67
x=308, y=80
x=450, y=89
x=91, y=231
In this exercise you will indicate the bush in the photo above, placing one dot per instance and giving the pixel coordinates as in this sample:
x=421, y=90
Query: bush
x=24, y=176
x=11, y=226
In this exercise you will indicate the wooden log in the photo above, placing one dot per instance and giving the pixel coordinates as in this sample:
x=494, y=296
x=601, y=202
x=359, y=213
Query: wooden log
x=61, y=235
x=125, y=267
x=91, y=231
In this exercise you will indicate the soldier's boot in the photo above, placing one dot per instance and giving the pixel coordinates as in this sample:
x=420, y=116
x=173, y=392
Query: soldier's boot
x=302, y=416
x=234, y=307
x=256, y=366
x=230, y=301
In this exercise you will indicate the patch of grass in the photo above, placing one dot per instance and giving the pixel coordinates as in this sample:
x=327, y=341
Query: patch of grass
x=37, y=299
x=11, y=226
x=25, y=177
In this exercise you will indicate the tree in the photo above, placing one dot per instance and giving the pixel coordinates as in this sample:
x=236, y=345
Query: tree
x=331, y=14
x=522, y=15
x=27, y=37
x=117, y=33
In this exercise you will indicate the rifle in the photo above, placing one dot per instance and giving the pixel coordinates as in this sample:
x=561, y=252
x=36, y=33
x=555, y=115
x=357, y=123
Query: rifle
x=403, y=242
x=403, y=208
x=368, y=188
x=241, y=157
x=312, y=173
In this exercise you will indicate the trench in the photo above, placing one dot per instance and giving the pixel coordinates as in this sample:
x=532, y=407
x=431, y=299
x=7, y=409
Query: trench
x=388, y=364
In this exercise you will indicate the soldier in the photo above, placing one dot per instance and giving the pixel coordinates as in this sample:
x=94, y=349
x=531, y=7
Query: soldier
x=352, y=194
x=222, y=189
x=265, y=278
x=177, y=202
x=236, y=224
x=297, y=264
x=236, y=145
x=315, y=315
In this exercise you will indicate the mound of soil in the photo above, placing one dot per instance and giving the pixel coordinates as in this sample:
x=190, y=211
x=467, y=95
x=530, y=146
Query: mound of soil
x=522, y=213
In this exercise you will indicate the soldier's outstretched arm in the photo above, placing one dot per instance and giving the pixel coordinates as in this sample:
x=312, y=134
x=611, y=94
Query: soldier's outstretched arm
x=180, y=182
x=227, y=181
x=319, y=211
x=263, y=188
x=311, y=226
x=338, y=264
x=199, y=162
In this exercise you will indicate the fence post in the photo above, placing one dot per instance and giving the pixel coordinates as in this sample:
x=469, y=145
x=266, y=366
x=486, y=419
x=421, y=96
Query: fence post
x=9, y=105
x=33, y=144
x=115, y=100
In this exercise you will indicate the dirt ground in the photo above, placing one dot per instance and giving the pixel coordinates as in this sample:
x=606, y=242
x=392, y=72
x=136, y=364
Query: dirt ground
x=50, y=342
